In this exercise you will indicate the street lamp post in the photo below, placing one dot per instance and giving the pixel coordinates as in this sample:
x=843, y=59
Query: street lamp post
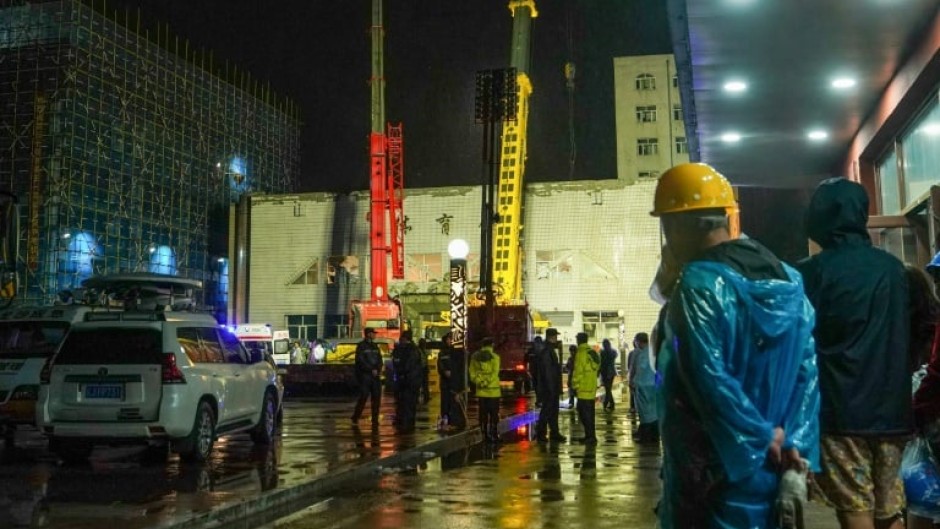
x=458, y=250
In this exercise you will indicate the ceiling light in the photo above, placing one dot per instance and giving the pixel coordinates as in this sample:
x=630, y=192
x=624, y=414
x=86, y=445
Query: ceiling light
x=817, y=135
x=931, y=129
x=843, y=83
x=731, y=137
x=735, y=87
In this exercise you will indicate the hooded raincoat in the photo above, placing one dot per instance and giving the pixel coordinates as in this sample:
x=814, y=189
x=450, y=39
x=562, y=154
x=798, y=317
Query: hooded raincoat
x=861, y=300
x=484, y=372
x=644, y=395
x=587, y=363
x=738, y=360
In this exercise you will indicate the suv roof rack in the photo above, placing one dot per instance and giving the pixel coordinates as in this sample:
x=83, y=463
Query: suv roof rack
x=150, y=316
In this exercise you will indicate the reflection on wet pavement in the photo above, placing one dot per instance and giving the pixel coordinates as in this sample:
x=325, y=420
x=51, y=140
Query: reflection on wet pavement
x=138, y=489
x=518, y=484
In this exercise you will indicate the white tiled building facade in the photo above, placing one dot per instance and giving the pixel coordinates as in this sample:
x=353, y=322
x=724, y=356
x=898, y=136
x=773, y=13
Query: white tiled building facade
x=590, y=247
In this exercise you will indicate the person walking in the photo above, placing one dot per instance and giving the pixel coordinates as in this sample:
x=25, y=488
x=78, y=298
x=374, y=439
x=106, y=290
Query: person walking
x=862, y=338
x=408, y=373
x=644, y=382
x=608, y=373
x=445, y=375
x=484, y=373
x=739, y=402
x=548, y=387
x=587, y=363
x=368, y=376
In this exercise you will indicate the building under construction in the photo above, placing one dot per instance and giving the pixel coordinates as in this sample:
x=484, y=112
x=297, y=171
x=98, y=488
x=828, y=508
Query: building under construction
x=125, y=148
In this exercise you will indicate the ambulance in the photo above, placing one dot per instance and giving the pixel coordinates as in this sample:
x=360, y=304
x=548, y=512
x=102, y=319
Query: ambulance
x=261, y=337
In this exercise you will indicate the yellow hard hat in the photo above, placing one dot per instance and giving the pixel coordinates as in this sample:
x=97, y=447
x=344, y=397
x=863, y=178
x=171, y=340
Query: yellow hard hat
x=691, y=186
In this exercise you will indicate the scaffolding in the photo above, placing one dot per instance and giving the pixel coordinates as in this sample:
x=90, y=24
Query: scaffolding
x=126, y=149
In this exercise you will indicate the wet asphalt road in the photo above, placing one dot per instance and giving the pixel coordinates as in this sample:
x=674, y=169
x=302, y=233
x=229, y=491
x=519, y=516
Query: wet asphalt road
x=120, y=485
x=520, y=484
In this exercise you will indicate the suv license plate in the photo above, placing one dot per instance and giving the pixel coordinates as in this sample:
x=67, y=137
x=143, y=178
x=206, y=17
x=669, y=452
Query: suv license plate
x=104, y=392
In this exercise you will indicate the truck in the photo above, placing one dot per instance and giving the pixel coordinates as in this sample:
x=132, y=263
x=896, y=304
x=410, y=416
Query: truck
x=262, y=338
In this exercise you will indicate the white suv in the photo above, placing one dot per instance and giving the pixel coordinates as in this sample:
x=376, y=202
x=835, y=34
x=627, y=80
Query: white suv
x=158, y=378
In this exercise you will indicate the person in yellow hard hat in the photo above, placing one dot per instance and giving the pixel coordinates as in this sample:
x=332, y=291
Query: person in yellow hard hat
x=739, y=401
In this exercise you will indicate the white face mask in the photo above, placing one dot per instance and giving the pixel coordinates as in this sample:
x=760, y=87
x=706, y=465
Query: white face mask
x=656, y=292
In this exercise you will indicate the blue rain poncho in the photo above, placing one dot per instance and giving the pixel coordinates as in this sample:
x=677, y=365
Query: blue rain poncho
x=738, y=360
x=644, y=392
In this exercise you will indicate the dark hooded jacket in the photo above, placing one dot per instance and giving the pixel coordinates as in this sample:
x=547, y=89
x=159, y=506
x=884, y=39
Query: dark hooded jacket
x=862, y=324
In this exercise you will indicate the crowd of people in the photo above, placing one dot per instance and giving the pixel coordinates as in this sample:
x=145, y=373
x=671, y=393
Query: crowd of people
x=760, y=379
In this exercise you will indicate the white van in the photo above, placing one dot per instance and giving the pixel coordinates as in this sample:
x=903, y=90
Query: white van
x=28, y=337
x=263, y=339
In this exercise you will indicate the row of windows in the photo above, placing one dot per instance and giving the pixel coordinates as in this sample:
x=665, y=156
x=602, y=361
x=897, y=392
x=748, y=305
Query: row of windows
x=911, y=166
x=648, y=113
x=650, y=146
x=647, y=81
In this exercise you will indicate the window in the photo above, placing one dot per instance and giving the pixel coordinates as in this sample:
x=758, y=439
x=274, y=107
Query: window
x=103, y=345
x=424, y=267
x=601, y=324
x=302, y=326
x=646, y=114
x=337, y=326
x=645, y=81
x=209, y=341
x=675, y=81
x=647, y=146
x=888, y=178
x=200, y=344
x=310, y=275
x=677, y=112
x=682, y=146
x=920, y=149
x=233, y=350
x=342, y=270
x=162, y=260
x=647, y=175
x=554, y=264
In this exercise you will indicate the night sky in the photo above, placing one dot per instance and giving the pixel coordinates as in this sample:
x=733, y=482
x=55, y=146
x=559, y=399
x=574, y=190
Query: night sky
x=317, y=53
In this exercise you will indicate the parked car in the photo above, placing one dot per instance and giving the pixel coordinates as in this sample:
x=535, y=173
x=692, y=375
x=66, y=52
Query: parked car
x=29, y=335
x=160, y=378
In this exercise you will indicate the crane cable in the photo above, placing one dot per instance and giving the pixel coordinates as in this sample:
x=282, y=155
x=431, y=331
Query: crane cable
x=569, y=84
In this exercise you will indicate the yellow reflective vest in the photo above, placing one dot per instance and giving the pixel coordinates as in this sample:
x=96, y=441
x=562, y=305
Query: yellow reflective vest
x=586, y=365
x=484, y=372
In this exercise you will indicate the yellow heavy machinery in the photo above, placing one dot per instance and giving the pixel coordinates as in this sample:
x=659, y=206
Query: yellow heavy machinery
x=505, y=316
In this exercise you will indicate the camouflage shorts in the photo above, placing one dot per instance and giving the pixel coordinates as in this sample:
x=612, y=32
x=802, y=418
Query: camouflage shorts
x=860, y=474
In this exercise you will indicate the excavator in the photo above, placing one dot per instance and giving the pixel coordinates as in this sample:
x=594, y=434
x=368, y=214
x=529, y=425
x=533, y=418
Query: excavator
x=507, y=319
